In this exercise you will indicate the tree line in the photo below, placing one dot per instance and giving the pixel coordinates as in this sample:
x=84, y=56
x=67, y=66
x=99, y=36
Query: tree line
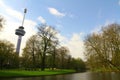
x=103, y=49
x=42, y=50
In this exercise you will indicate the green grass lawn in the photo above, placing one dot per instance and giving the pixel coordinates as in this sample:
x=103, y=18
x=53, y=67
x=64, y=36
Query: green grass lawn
x=23, y=73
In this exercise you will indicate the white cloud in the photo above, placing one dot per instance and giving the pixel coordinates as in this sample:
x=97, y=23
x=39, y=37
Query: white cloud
x=61, y=38
x=11, y=12
x=2, y=4
x=75, y=44
x=41, y=19
x=13, y=21
x=55, y=12
x=14, y=13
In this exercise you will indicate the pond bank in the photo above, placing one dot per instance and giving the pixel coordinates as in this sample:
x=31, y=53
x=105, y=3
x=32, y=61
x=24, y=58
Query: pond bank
x=73, y=76
x=23, y=73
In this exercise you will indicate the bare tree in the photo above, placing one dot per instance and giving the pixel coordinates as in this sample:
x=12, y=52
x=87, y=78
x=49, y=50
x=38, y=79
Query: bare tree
x=6, y=52
x=63, y=55
x=102, y=49
x=31, y=49
x=55, y=44
x=47, y=35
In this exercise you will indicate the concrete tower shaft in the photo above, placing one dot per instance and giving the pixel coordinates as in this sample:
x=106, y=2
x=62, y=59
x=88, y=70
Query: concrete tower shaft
x=20, y=32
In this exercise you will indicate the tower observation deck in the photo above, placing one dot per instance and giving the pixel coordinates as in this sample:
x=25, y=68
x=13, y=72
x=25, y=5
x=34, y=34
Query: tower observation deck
x=20, y=32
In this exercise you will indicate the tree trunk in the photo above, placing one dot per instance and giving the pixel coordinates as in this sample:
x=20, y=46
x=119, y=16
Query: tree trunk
x=43, y=64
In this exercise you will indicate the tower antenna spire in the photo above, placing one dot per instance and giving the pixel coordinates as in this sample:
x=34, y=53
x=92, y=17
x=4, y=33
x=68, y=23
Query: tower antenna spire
x=25, y=11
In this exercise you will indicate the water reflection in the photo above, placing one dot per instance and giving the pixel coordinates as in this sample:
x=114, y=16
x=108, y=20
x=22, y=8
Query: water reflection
x=104, y=76
x=76, y=76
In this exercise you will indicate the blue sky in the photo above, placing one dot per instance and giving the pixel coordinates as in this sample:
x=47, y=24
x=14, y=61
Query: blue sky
x=74, y=19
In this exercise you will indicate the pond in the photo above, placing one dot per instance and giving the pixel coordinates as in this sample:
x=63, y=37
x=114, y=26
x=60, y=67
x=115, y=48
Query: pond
x=75, y=76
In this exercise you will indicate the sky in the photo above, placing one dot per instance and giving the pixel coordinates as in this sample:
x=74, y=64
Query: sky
x=73, y=19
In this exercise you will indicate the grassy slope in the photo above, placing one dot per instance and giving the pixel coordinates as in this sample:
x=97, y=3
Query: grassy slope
x=22, y=73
